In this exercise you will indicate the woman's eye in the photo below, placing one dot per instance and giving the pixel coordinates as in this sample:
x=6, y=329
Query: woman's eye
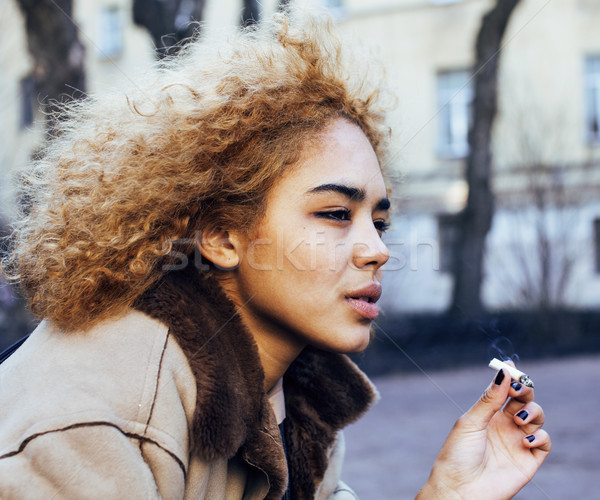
x=337, y=215
x=381, y=225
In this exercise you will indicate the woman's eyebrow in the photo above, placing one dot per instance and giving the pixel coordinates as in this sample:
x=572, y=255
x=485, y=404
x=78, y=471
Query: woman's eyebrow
x=352, y=193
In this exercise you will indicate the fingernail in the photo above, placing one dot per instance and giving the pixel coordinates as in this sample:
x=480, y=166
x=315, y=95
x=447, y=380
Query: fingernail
x=516, y=386
x=499, y=377
x=523, y=415
x=531, y=438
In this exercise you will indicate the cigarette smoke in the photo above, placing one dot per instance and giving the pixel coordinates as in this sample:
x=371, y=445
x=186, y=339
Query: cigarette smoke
x=502, y=348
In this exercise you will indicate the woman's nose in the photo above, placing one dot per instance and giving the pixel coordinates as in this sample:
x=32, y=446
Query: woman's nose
x=370, y=251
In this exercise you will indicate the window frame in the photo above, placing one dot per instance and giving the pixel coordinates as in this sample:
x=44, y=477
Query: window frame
x=110, y=41
x=454, y=103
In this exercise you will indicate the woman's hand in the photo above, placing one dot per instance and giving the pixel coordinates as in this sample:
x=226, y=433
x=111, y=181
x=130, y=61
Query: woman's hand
x=492, y=451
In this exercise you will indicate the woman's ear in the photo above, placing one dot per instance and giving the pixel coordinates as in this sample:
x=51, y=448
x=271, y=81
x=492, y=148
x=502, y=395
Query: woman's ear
x=222, y=248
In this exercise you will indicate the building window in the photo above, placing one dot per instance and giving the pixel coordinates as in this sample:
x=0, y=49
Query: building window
x=597, y=245
x=110, y=33
x=454, y=89
x=447, y=239
x=592, y=97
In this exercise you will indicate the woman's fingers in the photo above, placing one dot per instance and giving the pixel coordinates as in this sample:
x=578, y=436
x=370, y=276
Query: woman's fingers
x=540, y=444
x=518, y=390
x=529, y=417
x=491, y=401
x=521, y=392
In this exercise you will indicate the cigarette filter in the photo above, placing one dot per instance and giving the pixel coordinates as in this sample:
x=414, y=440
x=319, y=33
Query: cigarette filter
x=515, y=374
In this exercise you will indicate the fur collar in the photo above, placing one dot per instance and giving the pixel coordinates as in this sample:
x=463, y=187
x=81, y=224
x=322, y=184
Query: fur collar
x=324, y=391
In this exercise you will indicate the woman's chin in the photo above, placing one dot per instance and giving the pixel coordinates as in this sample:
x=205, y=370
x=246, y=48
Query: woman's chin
x=354, y=344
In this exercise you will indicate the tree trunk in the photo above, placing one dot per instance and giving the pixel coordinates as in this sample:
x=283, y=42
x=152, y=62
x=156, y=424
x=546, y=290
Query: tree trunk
x=250, y=12
x=58, y=55
x=475, y=220
x=170, y=22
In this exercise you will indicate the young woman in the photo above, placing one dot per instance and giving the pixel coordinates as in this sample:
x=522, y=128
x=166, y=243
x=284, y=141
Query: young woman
x=203, y=252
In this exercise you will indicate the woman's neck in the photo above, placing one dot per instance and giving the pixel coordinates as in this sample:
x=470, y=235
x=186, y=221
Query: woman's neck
x=277, y=347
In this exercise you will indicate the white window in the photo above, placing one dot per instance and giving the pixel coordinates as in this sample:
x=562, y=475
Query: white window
x=110, y=33
x=454, y=89
x=592, y=97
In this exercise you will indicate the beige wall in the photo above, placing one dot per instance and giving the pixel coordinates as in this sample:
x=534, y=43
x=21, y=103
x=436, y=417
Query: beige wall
x=541, y=101
x=137, y=52
x=541, y=79
x=415, y=40
x=16, y=145
x=541, y=105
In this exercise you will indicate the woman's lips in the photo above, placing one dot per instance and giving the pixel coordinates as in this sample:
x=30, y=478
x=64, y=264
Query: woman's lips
x=363, y=300
x=366, y=309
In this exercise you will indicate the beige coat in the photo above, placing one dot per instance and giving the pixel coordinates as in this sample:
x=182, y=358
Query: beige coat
x=134, y=408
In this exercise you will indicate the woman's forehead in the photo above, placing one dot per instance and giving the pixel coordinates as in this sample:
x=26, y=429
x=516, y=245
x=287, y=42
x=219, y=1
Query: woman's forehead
x=342, y=156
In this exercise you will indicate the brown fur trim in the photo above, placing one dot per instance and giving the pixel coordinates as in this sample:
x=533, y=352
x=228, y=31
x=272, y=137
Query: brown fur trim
x=264, y=450
x=323, y=391
x=222, y=355
x=232, y=410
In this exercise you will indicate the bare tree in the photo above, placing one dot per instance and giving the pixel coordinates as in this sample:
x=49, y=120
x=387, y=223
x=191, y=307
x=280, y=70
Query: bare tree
x=474, y=222
x=250, y=12
x=541, y=250
x=171, y=23
x=536, y=262
x=58, y=54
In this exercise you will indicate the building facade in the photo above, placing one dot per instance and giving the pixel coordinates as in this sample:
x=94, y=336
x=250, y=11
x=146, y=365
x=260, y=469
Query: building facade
x=544, y=246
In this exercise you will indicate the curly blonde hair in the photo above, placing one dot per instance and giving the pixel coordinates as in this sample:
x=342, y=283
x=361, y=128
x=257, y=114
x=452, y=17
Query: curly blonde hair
x=200, y=144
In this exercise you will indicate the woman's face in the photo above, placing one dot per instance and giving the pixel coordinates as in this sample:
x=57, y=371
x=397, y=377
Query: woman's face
x=310, y=273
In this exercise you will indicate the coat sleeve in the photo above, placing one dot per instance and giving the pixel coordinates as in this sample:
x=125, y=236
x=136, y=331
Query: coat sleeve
x=95, y=414
x=332, y=487
x=343, y=492
x=88, y=461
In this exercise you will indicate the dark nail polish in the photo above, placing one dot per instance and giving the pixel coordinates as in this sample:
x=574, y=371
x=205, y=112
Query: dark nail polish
x=516, y=386
x=531, y=438
x=499, y=377
x=522, y=414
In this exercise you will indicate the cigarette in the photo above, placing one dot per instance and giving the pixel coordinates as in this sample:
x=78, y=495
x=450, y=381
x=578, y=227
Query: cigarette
x=515, y=374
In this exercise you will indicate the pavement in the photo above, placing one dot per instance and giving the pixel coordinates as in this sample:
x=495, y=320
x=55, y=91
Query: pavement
x=390, y=451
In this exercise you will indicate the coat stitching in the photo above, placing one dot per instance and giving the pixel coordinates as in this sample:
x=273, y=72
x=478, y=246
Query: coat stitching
x=29, y=439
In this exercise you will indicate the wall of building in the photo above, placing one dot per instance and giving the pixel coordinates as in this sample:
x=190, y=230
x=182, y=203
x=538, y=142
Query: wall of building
x=16, y=143
x=104, y=69
x=541, y=120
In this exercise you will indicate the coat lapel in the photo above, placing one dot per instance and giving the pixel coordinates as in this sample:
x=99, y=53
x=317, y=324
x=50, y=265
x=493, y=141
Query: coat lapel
x=323, y=391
